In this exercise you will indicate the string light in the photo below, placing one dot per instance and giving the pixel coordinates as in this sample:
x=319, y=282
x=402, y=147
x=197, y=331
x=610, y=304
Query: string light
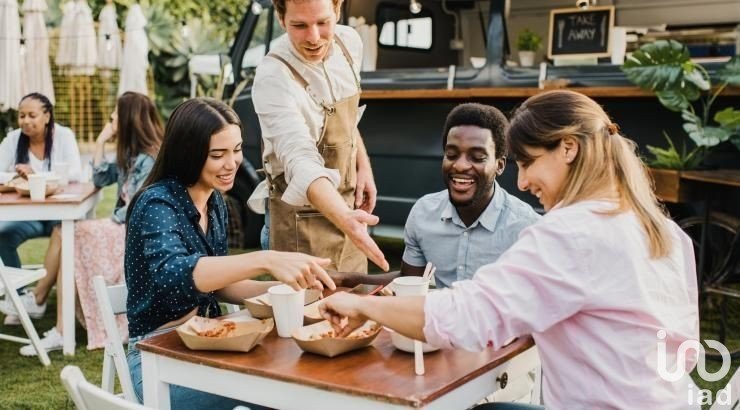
x=23, y=47
x=415, y=7
x=185, y=29
x=108, y=43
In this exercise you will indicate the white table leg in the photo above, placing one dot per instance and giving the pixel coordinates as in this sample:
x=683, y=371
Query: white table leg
x=156, y=392
x=68, y=286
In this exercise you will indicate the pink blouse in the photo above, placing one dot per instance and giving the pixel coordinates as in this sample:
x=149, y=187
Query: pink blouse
x=583, y=285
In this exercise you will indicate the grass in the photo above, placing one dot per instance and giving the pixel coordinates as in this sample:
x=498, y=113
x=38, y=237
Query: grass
x=28, y=385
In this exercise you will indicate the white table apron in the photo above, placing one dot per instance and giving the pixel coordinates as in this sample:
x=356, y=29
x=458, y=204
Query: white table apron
x=68, y=213
x=160, y=371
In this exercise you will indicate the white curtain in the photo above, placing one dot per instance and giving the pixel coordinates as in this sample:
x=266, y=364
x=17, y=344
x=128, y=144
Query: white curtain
x=135, y=52
x=36, y=72
x=109, y=39
x=10, y=44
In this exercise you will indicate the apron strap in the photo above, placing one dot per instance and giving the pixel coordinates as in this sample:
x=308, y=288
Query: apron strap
x=348, y=56
x=301, y=80
x=328, y=108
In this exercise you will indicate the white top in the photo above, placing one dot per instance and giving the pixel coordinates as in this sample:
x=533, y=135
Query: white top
x=291, y=121
x=64, y=149
x=583, y=285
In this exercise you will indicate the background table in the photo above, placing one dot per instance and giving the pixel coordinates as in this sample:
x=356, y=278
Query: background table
x=76, y=201
x=278, y=374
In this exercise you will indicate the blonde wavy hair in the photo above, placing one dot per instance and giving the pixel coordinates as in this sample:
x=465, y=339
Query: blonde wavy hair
x=605, y=158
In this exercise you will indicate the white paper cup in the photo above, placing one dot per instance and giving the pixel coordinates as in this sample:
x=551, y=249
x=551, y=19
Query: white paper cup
x=37, y=187
x=287, y=308
x=61, y=169
x=410, y=286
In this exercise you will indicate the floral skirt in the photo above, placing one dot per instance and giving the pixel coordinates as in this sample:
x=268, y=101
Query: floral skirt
x=99, y=249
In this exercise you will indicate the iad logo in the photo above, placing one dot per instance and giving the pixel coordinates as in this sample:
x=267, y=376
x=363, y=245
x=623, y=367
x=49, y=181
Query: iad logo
x=704, y=396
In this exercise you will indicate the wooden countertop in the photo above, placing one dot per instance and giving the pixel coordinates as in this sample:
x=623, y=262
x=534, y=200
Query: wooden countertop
x=511, y=92
x=728, y=177
x=379, y=372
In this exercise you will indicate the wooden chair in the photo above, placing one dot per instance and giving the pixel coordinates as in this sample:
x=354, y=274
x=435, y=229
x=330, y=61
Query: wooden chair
x=12, y=279
x=88, y=396
x=112, y=302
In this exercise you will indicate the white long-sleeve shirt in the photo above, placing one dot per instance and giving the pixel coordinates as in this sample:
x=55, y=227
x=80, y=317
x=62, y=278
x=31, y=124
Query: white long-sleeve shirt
x=583, y=285
x=63, y=149
x=291, y=121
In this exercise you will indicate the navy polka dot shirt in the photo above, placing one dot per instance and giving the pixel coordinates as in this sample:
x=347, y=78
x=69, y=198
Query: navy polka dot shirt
x=163, y=245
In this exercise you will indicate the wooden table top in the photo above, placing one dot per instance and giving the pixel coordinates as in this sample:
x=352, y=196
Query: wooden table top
x=379, y=372
x=73, y=193
x=729, y=177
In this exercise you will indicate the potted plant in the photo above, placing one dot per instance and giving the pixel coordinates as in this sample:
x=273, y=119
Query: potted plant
x=665, y=169
x=528, y=43
x=665, y=67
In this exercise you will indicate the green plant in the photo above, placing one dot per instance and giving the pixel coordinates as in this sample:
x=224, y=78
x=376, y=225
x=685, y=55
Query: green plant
x=665, y=67
x=528, y=41
x=171, y=51
x=671, y=158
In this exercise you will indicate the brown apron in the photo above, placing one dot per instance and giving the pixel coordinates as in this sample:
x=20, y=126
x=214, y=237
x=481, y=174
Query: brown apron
x=303, y=228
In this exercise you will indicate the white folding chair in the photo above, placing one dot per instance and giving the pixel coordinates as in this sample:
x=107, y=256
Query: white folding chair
x=12, y=279
x=88, y=396
x=112, y=302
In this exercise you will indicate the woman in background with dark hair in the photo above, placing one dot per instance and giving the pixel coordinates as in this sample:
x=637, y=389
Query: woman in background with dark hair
x=99, y=243
x=175, y=263
x=33, y=148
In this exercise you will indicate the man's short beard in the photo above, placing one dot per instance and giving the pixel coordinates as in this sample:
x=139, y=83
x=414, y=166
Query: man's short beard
x=480, y=195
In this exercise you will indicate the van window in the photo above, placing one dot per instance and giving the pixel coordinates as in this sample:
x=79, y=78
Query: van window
x=256, y=50
x=399, y=28
x=411, y=33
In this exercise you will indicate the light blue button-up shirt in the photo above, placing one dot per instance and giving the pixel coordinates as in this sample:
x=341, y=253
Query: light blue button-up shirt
x=435, y=233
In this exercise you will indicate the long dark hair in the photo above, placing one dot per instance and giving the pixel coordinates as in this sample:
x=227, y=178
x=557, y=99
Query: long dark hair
x=187, y=138
x=24, y=141
x=139, y=131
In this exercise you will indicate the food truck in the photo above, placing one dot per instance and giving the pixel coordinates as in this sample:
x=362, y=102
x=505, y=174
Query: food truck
x=423, y=57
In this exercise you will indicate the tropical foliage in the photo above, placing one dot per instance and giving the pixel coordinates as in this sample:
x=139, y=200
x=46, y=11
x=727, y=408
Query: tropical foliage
x=172, y=44
x=665, y=67
x=672, y=158
x=177, y=29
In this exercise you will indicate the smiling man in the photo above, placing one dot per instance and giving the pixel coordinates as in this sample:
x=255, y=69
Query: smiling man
x=473, y=221
x=319, y=191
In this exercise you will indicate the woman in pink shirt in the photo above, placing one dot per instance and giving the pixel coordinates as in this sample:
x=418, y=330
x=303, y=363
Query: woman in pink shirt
x=599, y=281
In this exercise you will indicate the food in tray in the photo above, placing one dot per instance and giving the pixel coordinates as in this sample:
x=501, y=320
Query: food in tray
x=357, y=334
x=236, y=334
x=212, y=328
x=321, y=339
x=20, y=184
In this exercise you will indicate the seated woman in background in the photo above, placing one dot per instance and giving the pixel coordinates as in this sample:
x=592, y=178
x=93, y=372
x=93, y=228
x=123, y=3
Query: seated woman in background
x=597, y=281
x=99, y=243
x=175, y=263
x=35, y=147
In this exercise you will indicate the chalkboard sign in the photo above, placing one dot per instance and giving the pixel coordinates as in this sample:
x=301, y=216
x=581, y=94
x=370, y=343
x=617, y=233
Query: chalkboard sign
x=580, y=32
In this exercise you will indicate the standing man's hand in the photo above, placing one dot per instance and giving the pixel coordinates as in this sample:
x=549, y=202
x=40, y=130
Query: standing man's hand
x=365, y=192
x=354, y=224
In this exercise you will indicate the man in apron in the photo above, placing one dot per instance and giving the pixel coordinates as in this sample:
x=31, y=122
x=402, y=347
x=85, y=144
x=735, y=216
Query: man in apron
x=319, y=187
